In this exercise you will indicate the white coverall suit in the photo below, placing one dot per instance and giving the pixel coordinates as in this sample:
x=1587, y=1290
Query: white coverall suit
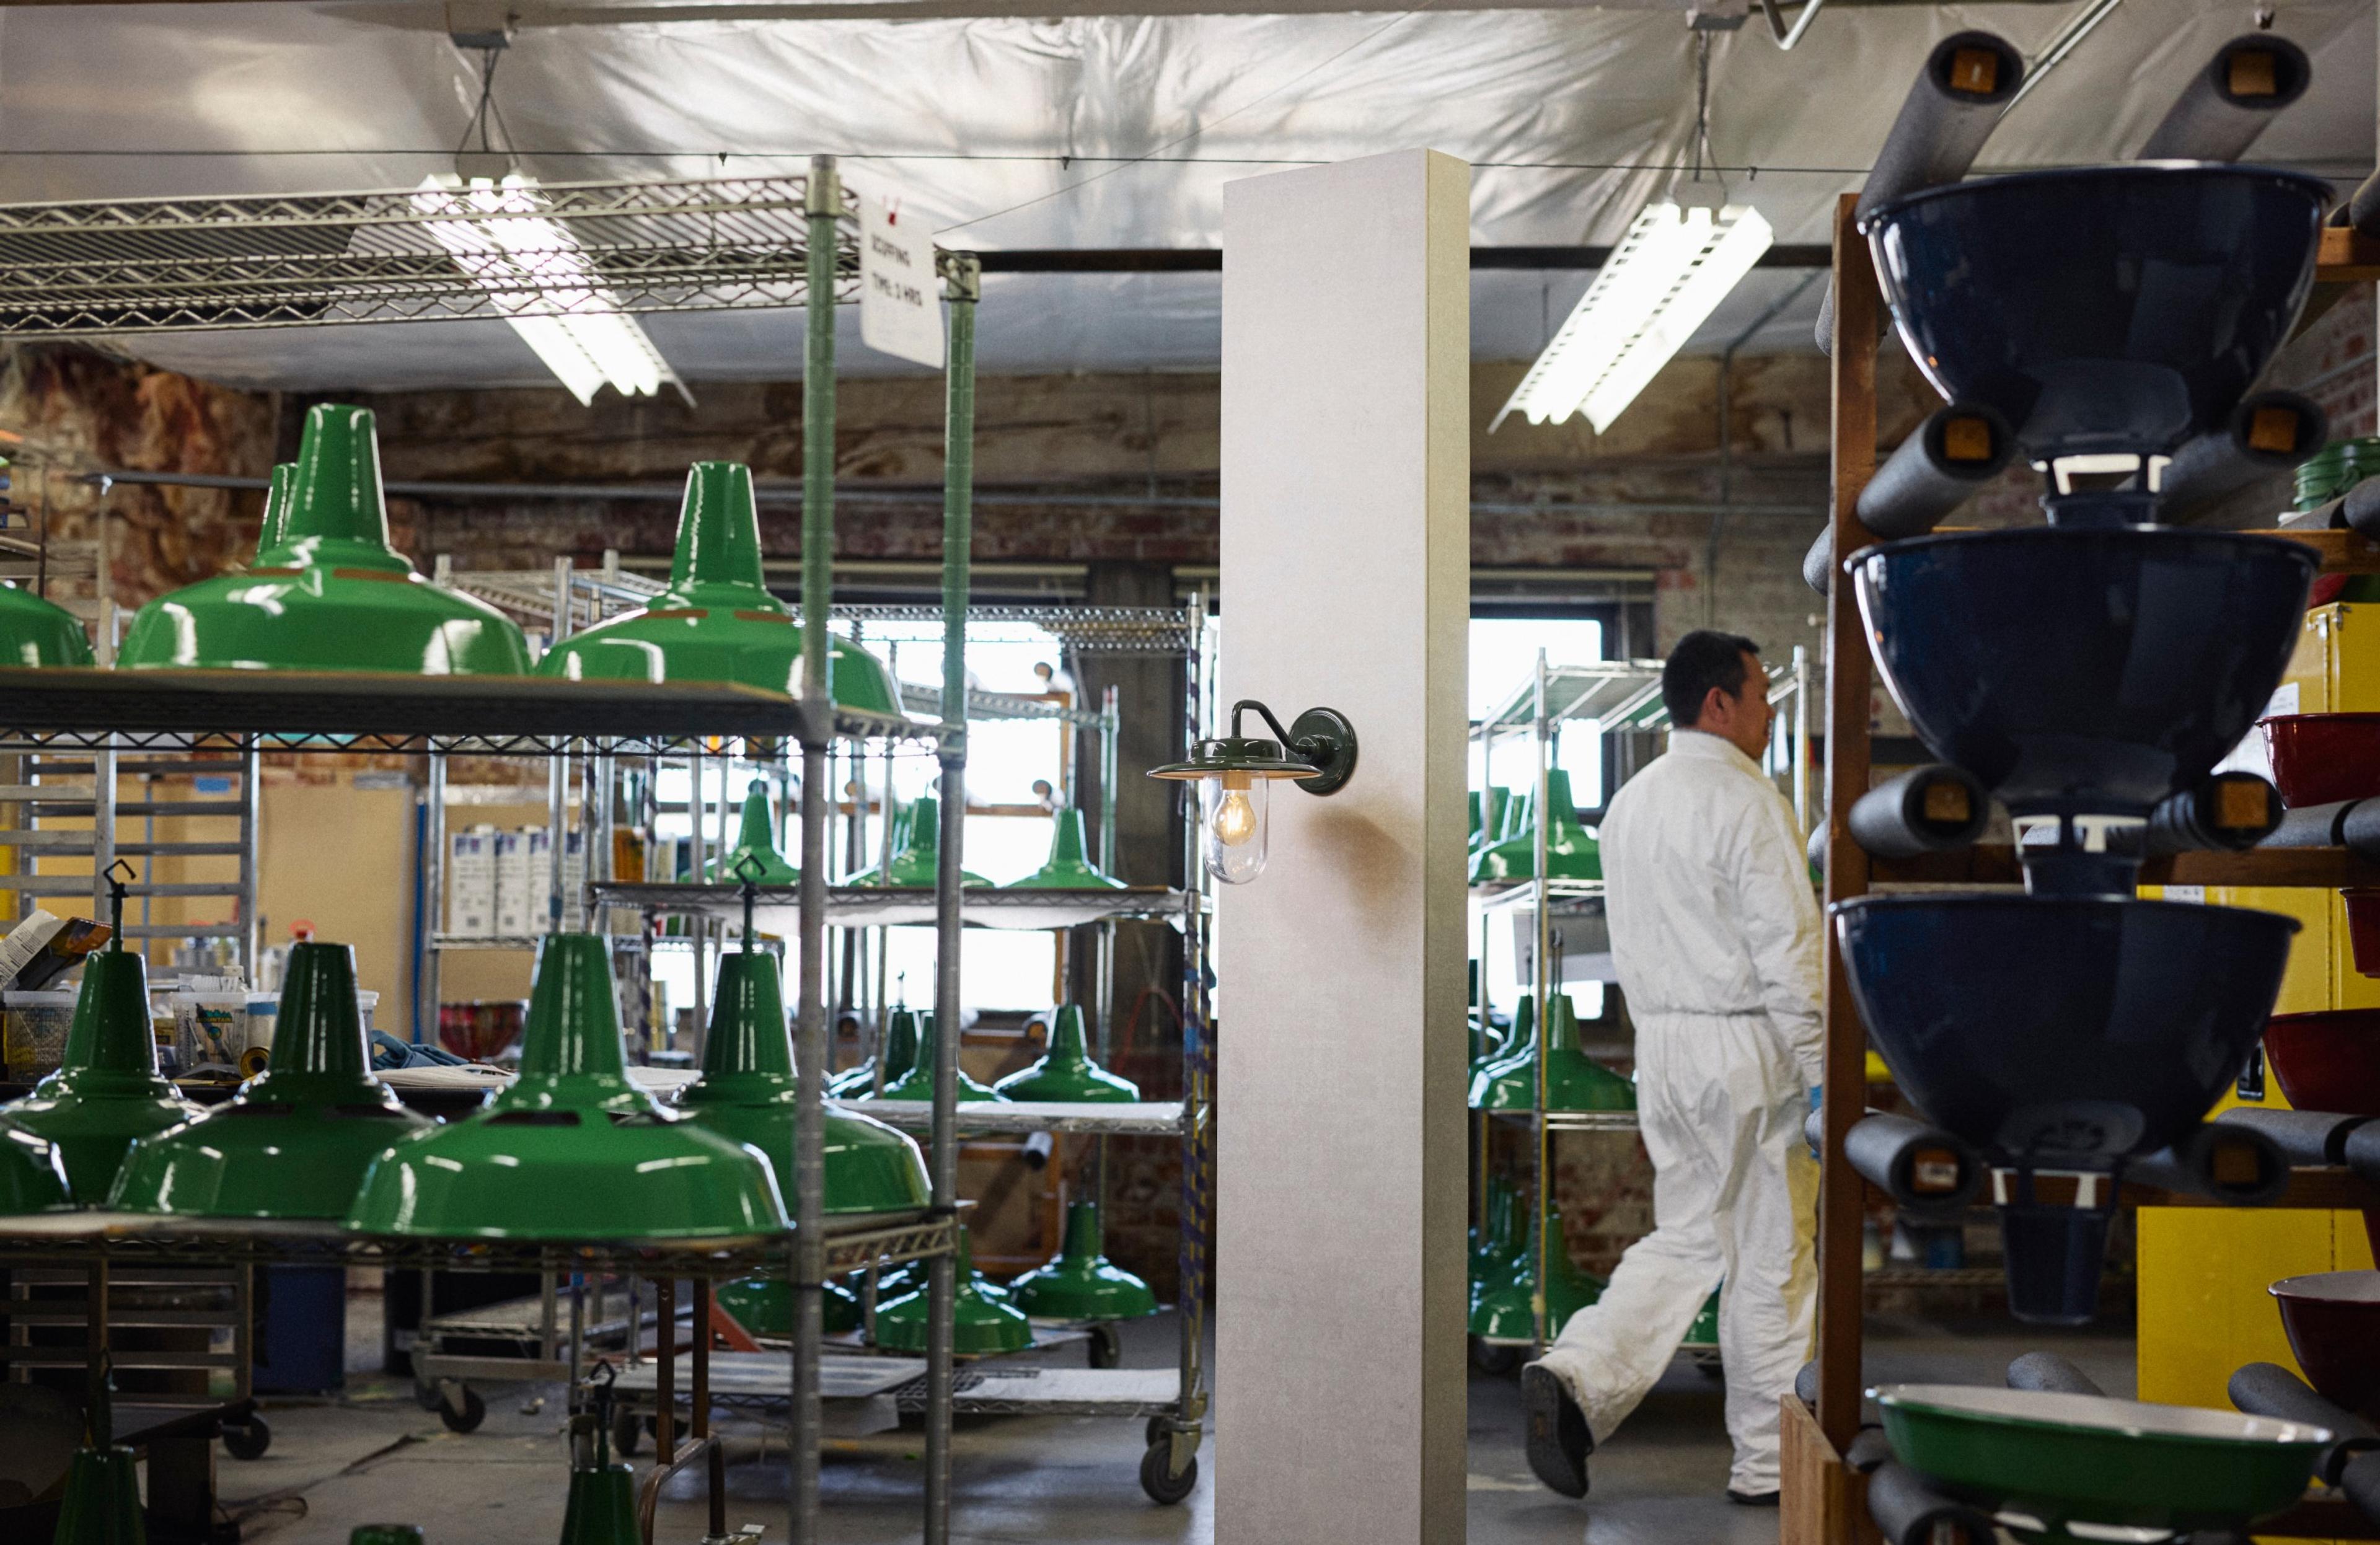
x=1715, y=936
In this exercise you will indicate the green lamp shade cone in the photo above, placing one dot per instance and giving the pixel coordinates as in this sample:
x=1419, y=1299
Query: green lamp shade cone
x=1570, y=853
x=717, y=622
x=756, y=839
x=903, y=817
x=1068, y=868
x=1520, y=1049
x=601, y=1509
x=917, y=1081
x=37, y=632
x=1502, y=1311
x=106, y=1093
x=1575, y=1081
x=981, y=1323
x=764, y=1307
x=32, y=1172
x=900, y=1055
x=572, y=1150
x=1080, y=1284
x=1066, y=1072
x=295, y=1140
x=749, y=1093
x=102, y=1503
x=328, y=593
x=918, y=860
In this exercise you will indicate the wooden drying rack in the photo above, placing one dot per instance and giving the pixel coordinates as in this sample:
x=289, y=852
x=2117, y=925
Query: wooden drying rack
x=1824, y=1501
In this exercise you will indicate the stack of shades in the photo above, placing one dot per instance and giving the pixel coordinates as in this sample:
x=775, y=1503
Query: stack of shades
x=717, y=623
x=916, y=1082
x=918, y=854
x=295, y=1141
x=1574, y=1081
x=1571, y=850
x=326, y=591
x=899, y=1054
x=572, y=1150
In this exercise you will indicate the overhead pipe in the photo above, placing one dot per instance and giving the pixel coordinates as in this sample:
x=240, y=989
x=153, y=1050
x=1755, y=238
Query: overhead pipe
x=2268, y=433
x=1957, y=98
x=1939, y=467
x=2230, y=100
x=1926, y=809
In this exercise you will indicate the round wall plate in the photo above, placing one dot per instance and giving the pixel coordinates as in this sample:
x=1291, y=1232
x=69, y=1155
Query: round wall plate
x=1325, y=734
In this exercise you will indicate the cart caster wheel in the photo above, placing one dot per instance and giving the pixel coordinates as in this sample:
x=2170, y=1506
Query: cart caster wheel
x=627, y=1435
x=1157, y=1479
x=1105, y=1348
x=469, y=1418
x=426, y=1396
x=249, y=1440
x=1157, y=1430
x=1495, y=1361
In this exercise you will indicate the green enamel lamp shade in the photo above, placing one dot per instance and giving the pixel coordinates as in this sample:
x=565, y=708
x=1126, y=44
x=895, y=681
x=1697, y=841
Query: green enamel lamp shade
x=918, y=860
x=1503, y=1313
x=900, y=1055
x=1081, y=1283
x=1473, y=841
x=980, y=1324
x=1519, y=816
x=749, y=1093
x=1496, y=1242
x=106, y=1092
x=101, y=1501
x=916, y=1082
x=1571, y=854
x=37, y=632
x=1495, y=802
x=572, y=1150
x=756, y=839
x=764, y=1307
x=717, y=621
x=331, y=594
x=902, y=816
x=1575, y=1081
x=1066, y=1072
x=1068, y=868
x=1704, y=1331
x=295, y=1140
x=602, y=1508
x=32, y=1172
x=1520, y=1045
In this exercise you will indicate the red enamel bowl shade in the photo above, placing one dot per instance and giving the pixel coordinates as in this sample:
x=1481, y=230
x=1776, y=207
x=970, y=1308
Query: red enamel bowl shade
x=2333, y=1323
x=2328, y=1061
x=2363, y=931
x=2320, y=759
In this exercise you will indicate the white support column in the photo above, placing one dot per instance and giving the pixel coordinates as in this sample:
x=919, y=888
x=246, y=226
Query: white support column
x=1340, y=1264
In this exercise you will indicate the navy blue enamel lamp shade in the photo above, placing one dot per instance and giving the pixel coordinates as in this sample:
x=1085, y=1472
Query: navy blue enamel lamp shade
x=2082, y=1030
x=2084, y=669
x=2103, y=308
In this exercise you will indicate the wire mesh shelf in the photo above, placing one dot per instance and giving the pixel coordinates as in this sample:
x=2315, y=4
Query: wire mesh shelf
x=138, y=265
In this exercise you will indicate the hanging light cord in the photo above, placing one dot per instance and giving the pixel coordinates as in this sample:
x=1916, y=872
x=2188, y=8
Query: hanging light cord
x=487, y=108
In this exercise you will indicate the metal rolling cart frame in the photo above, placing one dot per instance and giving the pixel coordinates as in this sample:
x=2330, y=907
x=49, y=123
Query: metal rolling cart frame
x=1622, y=696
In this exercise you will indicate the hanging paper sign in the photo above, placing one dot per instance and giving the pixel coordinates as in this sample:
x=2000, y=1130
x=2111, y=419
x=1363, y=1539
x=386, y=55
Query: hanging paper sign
x=899, y=300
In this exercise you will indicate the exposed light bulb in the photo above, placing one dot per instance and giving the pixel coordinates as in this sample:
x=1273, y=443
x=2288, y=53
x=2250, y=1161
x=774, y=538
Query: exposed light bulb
x=1235, y=818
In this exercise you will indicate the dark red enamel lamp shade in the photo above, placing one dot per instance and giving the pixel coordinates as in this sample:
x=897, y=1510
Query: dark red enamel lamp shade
x=2333, y=1321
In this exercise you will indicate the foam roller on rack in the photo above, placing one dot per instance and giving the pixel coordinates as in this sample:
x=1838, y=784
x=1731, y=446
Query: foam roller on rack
x=2049, y=1373
x=2230, y=100
x=2309, y=1138
x=2352, y=1461
x=1921, y=1168
x=2224, y=813
x=2268, y=433
x=1908, y=1511
x=1926, y=809
x=2237, y=1165
x=1939, y=467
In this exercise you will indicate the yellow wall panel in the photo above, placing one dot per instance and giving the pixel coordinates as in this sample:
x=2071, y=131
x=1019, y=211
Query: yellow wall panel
x=2203, y=1307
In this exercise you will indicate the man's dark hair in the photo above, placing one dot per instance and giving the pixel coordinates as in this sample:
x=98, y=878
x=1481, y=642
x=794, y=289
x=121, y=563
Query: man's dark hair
x=1703, y=660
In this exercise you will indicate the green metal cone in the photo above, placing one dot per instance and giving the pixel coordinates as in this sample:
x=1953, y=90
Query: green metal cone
x=749, y=1093
x=717, y=621
x=1066, y=1072
x=1080, y=1284
x=330, y=593
x=102, y=1504
x=1069, y=869
x=1575, y=1081
x=573, y=1149
x=917, y=1081
x=601, y=1509
x=1571, y=854
x=918, y=860
x=35, y=632
x=1520, y=1047
x=756, y=838
x=900, y=1055
x=764, y=1307
x=106, y=1092
x=981, y=1323
x=295, y=1140
x=1502, y=1312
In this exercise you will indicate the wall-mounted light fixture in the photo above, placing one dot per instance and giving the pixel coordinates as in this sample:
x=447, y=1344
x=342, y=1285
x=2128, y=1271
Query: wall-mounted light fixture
x=1316, y=752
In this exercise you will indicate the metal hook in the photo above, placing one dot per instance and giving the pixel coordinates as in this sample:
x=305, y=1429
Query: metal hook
x=116, y=887
x=749, y=868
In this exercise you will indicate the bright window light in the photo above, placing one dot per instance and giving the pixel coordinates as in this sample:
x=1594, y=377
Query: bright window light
x=1666, y=277
x=541, y=280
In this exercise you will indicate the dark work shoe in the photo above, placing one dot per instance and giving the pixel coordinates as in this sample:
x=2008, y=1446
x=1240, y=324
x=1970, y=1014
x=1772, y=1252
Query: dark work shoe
x=1559, y=1441
x=1752, y=1498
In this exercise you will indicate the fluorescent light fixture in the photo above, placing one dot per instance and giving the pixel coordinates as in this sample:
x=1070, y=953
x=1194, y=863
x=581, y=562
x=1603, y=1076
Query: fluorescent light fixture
x=1666, y=277
x=542, y=280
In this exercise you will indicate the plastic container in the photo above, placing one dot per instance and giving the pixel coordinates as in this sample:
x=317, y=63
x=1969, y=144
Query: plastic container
x=225, y=1030
x=2328, y=1060
x=2321, y=758
x=2335, y=468
x=34, y=1032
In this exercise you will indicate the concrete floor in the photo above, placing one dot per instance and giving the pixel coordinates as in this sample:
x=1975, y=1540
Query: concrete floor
x=376, y=1458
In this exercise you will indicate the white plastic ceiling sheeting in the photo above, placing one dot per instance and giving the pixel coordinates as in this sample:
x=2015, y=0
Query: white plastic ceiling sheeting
x=1015, y=132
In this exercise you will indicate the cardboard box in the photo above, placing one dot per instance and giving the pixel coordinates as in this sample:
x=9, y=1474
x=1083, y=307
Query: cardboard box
x=471, y=882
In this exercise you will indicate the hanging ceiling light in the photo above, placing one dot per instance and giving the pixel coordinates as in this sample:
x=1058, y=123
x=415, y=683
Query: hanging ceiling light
x=328, y=593
x=543, y=283
x=1666, y=277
